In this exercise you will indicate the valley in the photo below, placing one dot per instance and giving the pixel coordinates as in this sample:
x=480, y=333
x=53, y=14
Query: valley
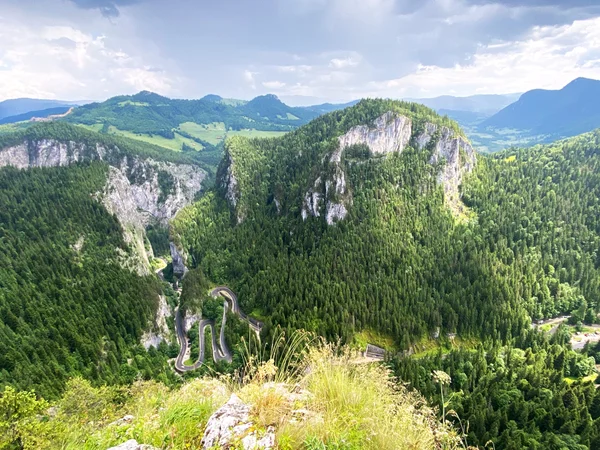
x=378, y=226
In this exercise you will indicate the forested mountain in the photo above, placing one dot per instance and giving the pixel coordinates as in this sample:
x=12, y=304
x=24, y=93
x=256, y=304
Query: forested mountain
x=190, y=126
x=76, y=288
x=566, y=112
x=378, y=219
x=405, y=255
x=352, y=223
x=151, y=113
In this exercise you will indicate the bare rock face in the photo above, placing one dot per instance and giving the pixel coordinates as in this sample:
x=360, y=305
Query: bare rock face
x=312, y=200
x=458, y=158
x=335, y=212
x=132, y=444
x=231, y=425
x=232, y=190
x=179, y=267
x=159, y=330
x=391, y=133
x=230, y=181
x=137, y=191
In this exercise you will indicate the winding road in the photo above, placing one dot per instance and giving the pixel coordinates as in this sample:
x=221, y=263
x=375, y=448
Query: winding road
x=220, y=351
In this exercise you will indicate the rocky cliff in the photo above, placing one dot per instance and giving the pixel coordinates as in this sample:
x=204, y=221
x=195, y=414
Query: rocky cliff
x=138, y=190
x=390, y=133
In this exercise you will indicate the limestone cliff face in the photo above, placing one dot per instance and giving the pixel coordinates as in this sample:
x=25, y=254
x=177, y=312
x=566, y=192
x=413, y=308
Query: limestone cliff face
x=179, y=267
x=138, y=190
x=158, y=331
x=391, y=133
x=226, y=178
x=457, y=157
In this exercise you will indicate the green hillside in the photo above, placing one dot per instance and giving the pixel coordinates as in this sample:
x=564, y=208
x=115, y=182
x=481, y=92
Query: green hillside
x=67, y=306
x=190, y=125
x=66, y=132
x=402, y=267
x=444, y=261
x=400, y=262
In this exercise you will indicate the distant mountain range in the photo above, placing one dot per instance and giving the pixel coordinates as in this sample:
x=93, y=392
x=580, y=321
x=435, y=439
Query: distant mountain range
x=18, y=106
x=43, y=114
x=482, y=104
x=492, y=122
x=150, y=113
x=565, y=112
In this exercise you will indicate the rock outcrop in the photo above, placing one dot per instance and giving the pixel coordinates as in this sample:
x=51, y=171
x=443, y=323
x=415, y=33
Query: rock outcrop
x=229, y=182
x=390, y=133
x=138, y=190
x=179, y=267
x=158, y=331
x=457, y=157
x=132, y=444
x=312, y=200
x=231, y=425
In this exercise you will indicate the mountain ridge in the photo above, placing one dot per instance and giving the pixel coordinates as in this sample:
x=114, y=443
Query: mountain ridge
x=557, y=113
x=18, y=106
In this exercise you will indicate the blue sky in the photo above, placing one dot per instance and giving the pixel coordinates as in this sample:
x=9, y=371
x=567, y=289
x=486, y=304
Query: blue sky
x=305, y=51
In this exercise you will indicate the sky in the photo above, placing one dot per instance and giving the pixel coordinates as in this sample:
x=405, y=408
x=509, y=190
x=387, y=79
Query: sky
x=304, y=51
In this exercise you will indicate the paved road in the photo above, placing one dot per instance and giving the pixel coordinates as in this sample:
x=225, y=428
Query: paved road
x=220, y=351
x=556, y=322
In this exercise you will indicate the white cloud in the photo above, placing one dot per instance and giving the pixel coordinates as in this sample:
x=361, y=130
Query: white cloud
x=249, y=76
x=343, y=63
x=301, y=68
x=549, y=57
x=62, y=61
x=275, y=85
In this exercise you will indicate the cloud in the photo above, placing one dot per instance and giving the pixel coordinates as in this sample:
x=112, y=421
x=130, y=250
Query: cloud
x=66, y=62
x=570, y=4
x=301, y=68
x=108, y=8
x=249, y=76
x=274, y=85
x=343, y=63
x=330, y=49
x=548, y=57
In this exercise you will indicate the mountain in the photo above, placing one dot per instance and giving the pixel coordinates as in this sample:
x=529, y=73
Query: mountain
x=18, y=106
x=43, y=114
x=390, y=174
x=150, y=113
x=197, y=126
x=482, y=104
x=553, y=113
x=377, y=226
x=78, y=289
x=325, y=108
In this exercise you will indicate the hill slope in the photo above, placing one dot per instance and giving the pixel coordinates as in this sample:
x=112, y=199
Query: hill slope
x=76, y=290
x=337, y=242
x=44, y=113
x=192, y=126
x=150, y=113
x=566, y=112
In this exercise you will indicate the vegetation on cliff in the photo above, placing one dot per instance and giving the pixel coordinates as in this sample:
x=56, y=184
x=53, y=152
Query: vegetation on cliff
x=67, y=306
